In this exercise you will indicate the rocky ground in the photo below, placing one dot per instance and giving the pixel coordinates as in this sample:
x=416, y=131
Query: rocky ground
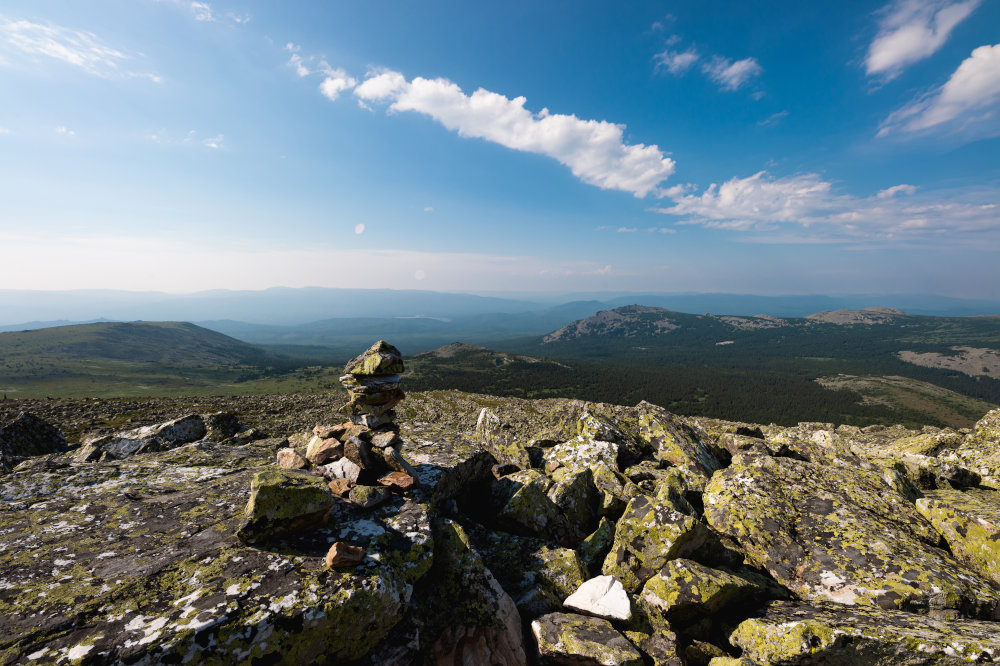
x=503, y=531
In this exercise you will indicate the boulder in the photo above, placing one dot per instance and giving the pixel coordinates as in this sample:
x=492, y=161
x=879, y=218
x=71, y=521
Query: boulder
x=970, y=522
x=28, y=435
x=677, y=443
x=283, y=502
x=287, y=458
x=578, y=640
x=829, y=633
x=523, y=507
x=837, y=532
x=594, y=548
x=146, y=439
x=684, y=590
x=576, y=496
x=379, y=359
x=602, y=596
x=502, y=444
x=647, y=536
x=221, y=425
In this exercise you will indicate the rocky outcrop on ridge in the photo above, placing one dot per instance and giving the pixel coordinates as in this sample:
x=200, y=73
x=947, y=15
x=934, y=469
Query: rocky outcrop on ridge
x=453, y=528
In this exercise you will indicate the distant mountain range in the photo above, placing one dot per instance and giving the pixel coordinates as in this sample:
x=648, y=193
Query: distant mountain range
x=282, y=306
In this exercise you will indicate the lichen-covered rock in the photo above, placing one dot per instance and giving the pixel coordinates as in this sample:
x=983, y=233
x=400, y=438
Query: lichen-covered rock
x=970, y=522
x=220, y=426
x=468, y=617
x=828, y=633
x=647, y=536
x=28, y=435
x=574, y=492
x=368, y=496
x=135, y=562
x=524, y=507
x=837, y=532
x=594, y=548
x=577, y=640
x=503, y=444
x=379, y=359
x=684, y=589
x=980, y=450
x=146, y=439
x=616, y=490
x=581, y=453
x=284, y=501
x=536, y=575
x=677, y=443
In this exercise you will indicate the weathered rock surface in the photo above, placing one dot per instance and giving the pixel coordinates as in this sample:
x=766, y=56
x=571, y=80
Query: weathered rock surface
x=840, y=635
x=602, y=597
x=136, y=560
x=837, y=532
x=578, y=640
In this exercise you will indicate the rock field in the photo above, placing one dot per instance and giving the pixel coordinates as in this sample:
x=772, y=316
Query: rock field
x=450, y=528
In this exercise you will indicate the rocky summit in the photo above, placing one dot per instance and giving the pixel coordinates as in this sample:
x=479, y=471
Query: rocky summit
x=453, y=528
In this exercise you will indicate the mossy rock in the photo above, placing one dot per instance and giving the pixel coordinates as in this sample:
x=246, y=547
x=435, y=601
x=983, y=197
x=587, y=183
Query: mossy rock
x=684, y=590
x=503, y=444
x=284, y=501
x=574, y=492
x=837, y=532
x=565, y=638
x=379, y=359
x=647, y=536
x=970, y=522
x=678, y=443
x=838, y=635
x=524, y=507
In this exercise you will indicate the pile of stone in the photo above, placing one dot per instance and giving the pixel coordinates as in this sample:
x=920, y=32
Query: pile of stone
x=361, y=458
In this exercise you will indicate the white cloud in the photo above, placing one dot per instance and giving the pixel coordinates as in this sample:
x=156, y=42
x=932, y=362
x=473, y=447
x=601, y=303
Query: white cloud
x=731, y=75
x=911, y=30
x=676, y=62
x=359, y=228
x=972, y=89
x=627, y=230
x=594, y=151
x=214, y=142
x=241, y=19
x=890, y=192
x=202, y=11
x=764, y=204
x=662, y=230
x=62, y=129
x=4, y=130
x=428, y=209
x=336, y=82
x=79, y=48
x=773, y=119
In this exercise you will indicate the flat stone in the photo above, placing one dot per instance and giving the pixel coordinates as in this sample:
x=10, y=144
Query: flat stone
x=321, y=451
x=829, y=633
x=602, y=596
x=398, y=481
x=565, y=638
x=341, y=469
x=344, y=555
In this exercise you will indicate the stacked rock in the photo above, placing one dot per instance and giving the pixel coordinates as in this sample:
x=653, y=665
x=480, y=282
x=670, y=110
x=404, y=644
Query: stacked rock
x=372, y=381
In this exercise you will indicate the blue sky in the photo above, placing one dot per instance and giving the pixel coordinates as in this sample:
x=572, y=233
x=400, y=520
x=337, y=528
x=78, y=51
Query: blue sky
x=779, y=147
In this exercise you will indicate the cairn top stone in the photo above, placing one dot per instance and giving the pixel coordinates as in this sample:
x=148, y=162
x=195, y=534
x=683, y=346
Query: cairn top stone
x=379, y=359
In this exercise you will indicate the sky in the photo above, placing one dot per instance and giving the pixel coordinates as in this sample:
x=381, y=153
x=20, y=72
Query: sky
x=770, y=148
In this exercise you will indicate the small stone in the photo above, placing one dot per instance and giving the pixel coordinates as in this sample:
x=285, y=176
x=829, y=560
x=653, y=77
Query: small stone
x=368, y=496
x=341, y=487
x=602, y=596
x=322, y=451
x=290, y=459
x=341, y=469
x=382, y=440
x=344, y=555
x=328, y=431
x=398, y=481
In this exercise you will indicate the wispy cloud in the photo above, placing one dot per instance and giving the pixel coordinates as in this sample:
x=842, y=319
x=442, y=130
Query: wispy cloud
x=675, y=62
x=731, y=75
x=728, y=74
x=967, y=101
x=627, y=230
x=335, y=80
x=214, y=142
x=202, y=11
x=65, y=131
x=911, y=30
x=28, y=41
x=4, y=130
x=762, y=203
x=190, y=138
x=773, y=119
x=595, y=151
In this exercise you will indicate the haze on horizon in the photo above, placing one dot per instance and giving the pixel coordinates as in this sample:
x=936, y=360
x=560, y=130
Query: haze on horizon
x=566, y=146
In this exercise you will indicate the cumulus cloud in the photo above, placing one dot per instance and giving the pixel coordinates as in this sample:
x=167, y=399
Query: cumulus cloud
x=731, y=75
x=911, y=30
x=595, y=151
x=972, y=89
x=676, y=62
x=763, y=203
x=336, y=82
x=37, y=41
